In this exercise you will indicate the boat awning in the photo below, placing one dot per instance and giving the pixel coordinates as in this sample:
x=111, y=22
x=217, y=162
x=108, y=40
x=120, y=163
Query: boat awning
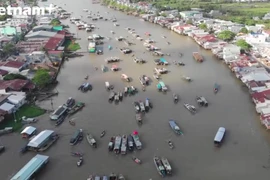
x=29, y=130
x=40, y=138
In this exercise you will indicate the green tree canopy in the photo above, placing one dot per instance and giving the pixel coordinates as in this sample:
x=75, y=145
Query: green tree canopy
x=203, y=26
x=9, y=49
x=42, y=78
x=14, y=76
x=55, y=22
x=244, y=30
x=226, y=35
x=243, y=44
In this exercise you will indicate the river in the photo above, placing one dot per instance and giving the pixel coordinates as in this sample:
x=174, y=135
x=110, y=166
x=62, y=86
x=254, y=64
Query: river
x=245, y=153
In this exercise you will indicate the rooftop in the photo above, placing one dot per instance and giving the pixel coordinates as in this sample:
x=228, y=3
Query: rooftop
x=41, y=34
x=3, y=72
x=54, y=42
x=40, y=138
x=16, y=84
x=260, y=96
x=29, y=130
x=43, y=27
x=7, y=107
x=14, y=64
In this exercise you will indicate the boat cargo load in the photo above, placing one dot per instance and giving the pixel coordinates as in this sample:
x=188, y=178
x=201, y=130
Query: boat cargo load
x=197, y=56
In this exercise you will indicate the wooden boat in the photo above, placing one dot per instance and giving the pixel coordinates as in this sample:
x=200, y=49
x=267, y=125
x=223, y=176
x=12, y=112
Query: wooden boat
x=138, y=117
x=166, y=165
x=170, y=143
x=113, y=176
x=136, y=160
x=60, y=120
x=117, y=144
x=76, y=108
x=188, y=79
x=130, y=143
x=197, y=56
x=160, y=168
x=175, y=127
x=142, y=107
x=121, y=177
x=137, y=141
x=91, y=140
x=111, y=144
x=124, y=145
x=175, y=98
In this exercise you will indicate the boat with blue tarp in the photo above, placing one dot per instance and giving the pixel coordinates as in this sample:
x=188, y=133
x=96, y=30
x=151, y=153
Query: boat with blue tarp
x=175, y=127
x=161, y=86
x=163, y=61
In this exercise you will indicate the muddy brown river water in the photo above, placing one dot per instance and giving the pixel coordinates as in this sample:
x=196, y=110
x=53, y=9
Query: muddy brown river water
x=245, y=153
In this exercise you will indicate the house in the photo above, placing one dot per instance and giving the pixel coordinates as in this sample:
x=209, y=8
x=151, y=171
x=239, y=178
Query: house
x=17, y=100
x=3, y=73
x=231, y=51
x=13, y=66
x=43, y=28
x=214, y=13
x=190, y=14
x=55, y=42
x=8, y=108
x=16, y=85
x=8, y=31
x=254, y=29
x=40, y=34
x=235, y=29
x=31, y=45
x=261, y=77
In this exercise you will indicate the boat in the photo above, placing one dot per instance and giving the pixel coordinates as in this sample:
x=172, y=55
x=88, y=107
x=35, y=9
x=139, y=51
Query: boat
x=130, y=143
x=124, y=145
x=160, y=168
x=116, y=98
x=70, y=102
x=163, y=61
x=147, y=105
x=102, y=133
x=197, y=56
x=170, y=143
x=125, y=77
x=111, y=144
x=76, y=108
x=162, y=87
x=111, y=97
x=120, y=96
x=142, y=81
x=91, y=140
x=175, y=98
x=142, y=107
x=161, y=70
x=78, y=136
x=175, y=127
x=117, y=144
x=105, y=178
x=156, y=76
x=114, y=68
x=191, y=108
x=202, y=101
x=2, y=149
x=121, y=177
x=219, y=136
x=137, y=106
x=92, y=47
x=60, y=120
x=136, y=160
x=216, y=88
x=138, y=117
x=137, y=141
x=103, y=68
x=188, y=79
x=113, y=176
x=97, y=178
x=79, y=163
x=166, y=165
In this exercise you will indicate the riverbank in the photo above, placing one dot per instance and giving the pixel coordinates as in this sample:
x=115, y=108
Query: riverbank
x=194, y=156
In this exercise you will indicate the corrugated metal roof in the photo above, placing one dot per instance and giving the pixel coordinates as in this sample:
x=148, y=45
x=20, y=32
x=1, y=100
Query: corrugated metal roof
x=31, y=167
x=29, y=130
x=36, y=142
x=41, y=33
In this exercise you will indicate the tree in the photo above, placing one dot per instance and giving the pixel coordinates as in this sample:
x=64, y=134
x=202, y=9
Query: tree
x=14, y=76
x=203, y=26
x=55, y=22
x=267, y=26
x=42, y=78
x=189, y=21
x=244, y=30
x=226, y=35
x=243, y=44
x=9, y=49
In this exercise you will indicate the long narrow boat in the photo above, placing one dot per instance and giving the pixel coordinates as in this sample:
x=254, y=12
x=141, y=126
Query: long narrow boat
x=160, y=168
x=124, y=145
x=175, y=127
x=166, y=165
x=76, y=108
x=117, y=144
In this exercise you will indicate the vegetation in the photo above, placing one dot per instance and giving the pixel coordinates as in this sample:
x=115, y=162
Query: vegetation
x=226, y=35
x=4, y=17
x=28, y=111
x=55, y=22
x=14, y=76
x=244, y=30
x=189, y=21
x=203, y=26
x=42, y=78
x=72, y=46
x=243, y=44
x=9, y=49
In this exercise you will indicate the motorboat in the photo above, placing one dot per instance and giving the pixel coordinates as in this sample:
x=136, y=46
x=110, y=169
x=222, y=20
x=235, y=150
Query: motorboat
x=175, y=127
x=111, y=144
x=136, y=160
x=160, y=168
x=219, y=136
x=191, y=108
x=70, y=102
x=79, y=163
x=170, y=143
x=216, y=88
x=175, y=98
x=91, y=140
x=137, y=106
x=166, y=165
x=186, y=78
x=121, y=177
x=142, y=107
x=2, y=149
x=124, y=145
x=201, y=101
x=147, y=105
x=102, y=133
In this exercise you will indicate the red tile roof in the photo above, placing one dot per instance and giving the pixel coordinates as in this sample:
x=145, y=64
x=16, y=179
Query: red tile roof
x=259, y=97
x=16, y=84
x=54, y=42
x=14, y=64
x=3, y=72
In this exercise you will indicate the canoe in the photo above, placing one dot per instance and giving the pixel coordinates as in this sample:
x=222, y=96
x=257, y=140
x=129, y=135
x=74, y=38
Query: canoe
x=175, y=127
x=166, y=165
x=160, y=168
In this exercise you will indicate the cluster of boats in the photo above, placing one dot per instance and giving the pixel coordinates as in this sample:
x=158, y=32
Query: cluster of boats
x=144, y=80
x=116, y=97
x=112, y=60
x=85, y=87
x=112, y=176
x=163, y=166
x=162, y=87
x=122, y=144
x=142, y=107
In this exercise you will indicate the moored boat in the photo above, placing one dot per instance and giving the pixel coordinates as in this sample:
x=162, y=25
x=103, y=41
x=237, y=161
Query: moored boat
x=91, y=140
x=130, y=143
x=76, y=108
x=111, y=144
x=113, y=176
x=166, y=165
x=197, y=56
x=117, y=144
x=175, y=127
x=124, y=145
x=160, y=168
x=121, y=177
